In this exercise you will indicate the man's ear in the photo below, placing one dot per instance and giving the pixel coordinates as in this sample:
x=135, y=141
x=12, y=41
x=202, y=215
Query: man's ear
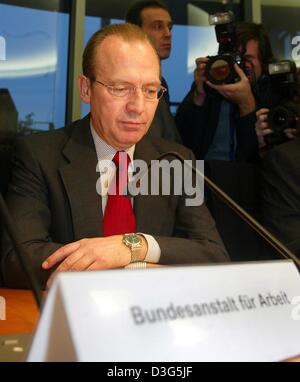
x=84, y=87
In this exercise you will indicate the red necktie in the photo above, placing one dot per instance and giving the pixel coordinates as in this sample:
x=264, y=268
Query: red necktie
x=119, y=216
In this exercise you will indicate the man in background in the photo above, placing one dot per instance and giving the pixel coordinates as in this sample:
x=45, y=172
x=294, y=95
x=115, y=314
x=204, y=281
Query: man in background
x=155, y=20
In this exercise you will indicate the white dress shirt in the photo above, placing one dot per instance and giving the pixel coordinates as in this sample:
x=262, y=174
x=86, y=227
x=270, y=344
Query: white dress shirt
x=106, y=153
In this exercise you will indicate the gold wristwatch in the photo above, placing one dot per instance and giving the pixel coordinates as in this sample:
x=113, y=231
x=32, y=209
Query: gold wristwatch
x=134, y=243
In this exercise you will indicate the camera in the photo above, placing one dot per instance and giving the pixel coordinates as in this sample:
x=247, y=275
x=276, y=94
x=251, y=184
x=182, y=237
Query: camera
x=283, y=75
x=220, y=69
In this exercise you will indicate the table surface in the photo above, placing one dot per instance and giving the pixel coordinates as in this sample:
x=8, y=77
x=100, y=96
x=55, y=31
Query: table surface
x=22, y=313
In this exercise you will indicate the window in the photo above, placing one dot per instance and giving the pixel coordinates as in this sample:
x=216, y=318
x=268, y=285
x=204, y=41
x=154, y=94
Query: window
x=34, y=75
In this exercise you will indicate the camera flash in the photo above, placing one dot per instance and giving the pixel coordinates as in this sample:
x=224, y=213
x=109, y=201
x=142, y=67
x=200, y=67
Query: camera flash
x=221, y=18
x=280, y=67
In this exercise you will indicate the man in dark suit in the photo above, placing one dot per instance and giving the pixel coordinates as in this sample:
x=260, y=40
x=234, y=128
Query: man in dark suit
x=281, y=193
x=155, y=20
x=63, y=222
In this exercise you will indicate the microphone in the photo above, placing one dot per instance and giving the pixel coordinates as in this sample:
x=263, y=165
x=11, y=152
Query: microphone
x=244, y=215
x=25, y=264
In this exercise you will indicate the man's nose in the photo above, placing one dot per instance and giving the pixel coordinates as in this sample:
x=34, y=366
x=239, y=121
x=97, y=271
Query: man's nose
x=136, y=102
x=168, y=31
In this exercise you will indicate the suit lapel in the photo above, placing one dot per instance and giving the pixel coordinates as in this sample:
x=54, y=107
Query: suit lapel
x=79, y=177
x=149, y=210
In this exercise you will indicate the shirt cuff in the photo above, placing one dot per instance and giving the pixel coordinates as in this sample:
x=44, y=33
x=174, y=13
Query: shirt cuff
x=154, y=251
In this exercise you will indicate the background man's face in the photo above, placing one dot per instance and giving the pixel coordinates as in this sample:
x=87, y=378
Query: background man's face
x=157, y=24
x=252, y=55
x=122, y=122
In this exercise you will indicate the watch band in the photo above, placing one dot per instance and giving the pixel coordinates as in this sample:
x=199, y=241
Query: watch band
x=136, y=265
x=134, y=255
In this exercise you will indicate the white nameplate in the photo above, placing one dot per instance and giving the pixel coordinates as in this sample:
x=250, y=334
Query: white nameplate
x=234, y=312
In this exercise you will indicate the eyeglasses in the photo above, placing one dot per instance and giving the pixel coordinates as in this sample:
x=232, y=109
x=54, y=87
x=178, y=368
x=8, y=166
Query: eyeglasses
x=149, y=91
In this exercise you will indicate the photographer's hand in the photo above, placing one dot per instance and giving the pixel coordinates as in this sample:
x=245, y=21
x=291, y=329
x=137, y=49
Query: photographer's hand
x=262, y=127
x=239, y=93
x=293, y=133
x=199, y=76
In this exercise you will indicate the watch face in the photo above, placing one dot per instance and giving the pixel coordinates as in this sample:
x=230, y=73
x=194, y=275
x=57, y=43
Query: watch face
x=133, y=239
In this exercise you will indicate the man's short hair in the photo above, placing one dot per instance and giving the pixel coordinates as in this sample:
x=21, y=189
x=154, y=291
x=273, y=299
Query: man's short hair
x=247, y=31
x=128, y=32
x=133, y=15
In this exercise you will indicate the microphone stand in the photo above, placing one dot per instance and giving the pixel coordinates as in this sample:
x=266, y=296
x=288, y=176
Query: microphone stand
x=8, y=224
x=244, y=215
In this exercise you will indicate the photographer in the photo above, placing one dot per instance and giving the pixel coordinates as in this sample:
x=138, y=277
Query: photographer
x=281, y=180
x=281, y=193
x=218, y=121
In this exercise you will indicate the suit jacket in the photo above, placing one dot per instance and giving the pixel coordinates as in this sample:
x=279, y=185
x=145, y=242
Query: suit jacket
x=53, y=200
x=281, y=193
x=163, y=124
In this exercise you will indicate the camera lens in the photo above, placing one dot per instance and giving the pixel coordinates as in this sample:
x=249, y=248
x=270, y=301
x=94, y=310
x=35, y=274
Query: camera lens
x=283, y=117
x=219, y=70
x=280, y=119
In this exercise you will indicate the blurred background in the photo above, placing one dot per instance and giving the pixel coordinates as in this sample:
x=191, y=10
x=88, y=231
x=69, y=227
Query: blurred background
x=44, y=41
